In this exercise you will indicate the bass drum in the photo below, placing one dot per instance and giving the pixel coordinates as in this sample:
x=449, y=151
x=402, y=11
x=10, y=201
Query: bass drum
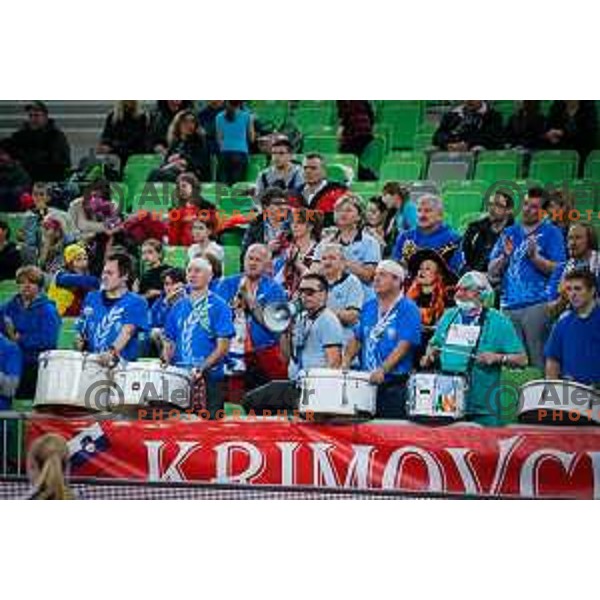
x=71, y=382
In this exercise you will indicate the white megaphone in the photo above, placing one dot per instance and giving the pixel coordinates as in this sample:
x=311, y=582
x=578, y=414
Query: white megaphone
x=277, y=316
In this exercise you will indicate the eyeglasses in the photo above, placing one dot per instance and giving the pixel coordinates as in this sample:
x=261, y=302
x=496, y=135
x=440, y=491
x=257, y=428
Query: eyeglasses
x=309, y=291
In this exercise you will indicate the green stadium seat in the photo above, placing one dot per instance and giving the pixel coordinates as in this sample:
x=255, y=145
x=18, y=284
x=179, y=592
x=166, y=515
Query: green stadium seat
x=68, y=334
x=231, y=264
x=153, y=196
x=304, y=118
x=373, y=155
x=340, y=173
x=348, y=160
x=404, y=118
x=256, y=163
x=318, y=129
x=554, y=166
x=367, y=189
x=511, y=380
x=423, y=141
x=505, y=107
x=584, y=193
x=144, y=159
x=8, y=289
x=325, y=144
x=499, y=165
x=592, y=165
x=463, y=201
x=176, y=256
x=401, y=171
x=273, y=111
x=15, y=222
x=236, y=204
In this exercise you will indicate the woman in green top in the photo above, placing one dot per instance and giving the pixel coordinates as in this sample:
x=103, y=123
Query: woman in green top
x=472, y=338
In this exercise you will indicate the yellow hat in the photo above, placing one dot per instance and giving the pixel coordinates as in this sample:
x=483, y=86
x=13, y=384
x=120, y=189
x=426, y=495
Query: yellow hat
x=73, y=251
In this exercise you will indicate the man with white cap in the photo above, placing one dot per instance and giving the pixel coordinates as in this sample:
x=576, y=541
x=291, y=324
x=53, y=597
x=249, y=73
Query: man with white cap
x=387, y=335
x=198, y=330
x=475, y=340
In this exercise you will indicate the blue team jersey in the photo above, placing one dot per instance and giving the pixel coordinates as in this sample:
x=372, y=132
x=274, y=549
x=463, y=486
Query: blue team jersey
x=102, y=322
x=268, y=291
x=575, y=344
x=194, y=325
x=522, y=283
x=379, y=337
x=444, y=240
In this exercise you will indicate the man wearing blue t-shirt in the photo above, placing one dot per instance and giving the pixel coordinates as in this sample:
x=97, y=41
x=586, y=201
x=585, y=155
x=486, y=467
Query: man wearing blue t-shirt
x=387, y=335
x=573, y=349
x=198, y=331
x=524, y=259
x=113, y=316
x=431, y=232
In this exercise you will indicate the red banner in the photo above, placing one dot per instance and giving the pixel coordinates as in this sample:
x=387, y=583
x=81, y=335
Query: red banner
x=520, y=461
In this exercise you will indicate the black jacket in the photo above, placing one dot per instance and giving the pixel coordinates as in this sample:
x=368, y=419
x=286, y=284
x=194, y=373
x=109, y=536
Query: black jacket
x=14, y=181
x=161, y=119
x=526, y=130
x=478, y=243
x=195, y=152
x=126, y=137
x=10, y=261
x=479, y=128
x=44, y=153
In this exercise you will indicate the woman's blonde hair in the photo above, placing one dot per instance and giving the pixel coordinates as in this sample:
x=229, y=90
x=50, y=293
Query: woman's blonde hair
x=49, y=455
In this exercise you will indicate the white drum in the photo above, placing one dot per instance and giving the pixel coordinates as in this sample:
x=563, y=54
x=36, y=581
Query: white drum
x=70, y=379
x=337, y=393
x=559, y=402
x=149, y=382
x=436, y=396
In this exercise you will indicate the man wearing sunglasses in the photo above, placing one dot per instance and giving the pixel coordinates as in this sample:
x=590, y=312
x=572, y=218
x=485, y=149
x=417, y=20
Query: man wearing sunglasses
x=317, y=338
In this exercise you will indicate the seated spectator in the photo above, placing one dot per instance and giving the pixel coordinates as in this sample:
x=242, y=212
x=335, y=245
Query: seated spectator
x=40, y=146
x=31, y=320
x=582, y=247
x=523, y=260
x=346, y=295
x=11, y=367
x=432, y=289
x=187, y=150
x=481, y=360
x=316, y=338
x=472, y=125
x=557, y=206
x=572, y=125
x=32, y=225
x=189, y=206
x=125, y=131
x=431, y=232
x=47, y=467
x=273, y=226
x=10, y=257
x=207, y=117
x=173, y=283
x=151, y=285
x=573, y=348
x=14, y=180
x=526, y=127
x=297, y=257
x=402, y=211
x=356, y=121
x=375, y=220
x=361, y=250
x=160, y=120
x=203, y=242
x=235, y=133
x=481, y=236
x=71, y=284
x=316, y=192
x=53, y=244
x=282, y=173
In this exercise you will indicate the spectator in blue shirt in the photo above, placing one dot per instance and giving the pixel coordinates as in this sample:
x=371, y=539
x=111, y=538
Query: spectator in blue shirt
x=235, y=133
x=173, y=281
x=32, y=321
x=431, y=232
x=573, y=349
x=114, y=316
x=387, y=335
x=524, y=259
x=402, y=213
x=11, y=367
x=198, y=332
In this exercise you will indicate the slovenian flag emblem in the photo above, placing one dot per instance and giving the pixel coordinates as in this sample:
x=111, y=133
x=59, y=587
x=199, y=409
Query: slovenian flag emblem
x=87, y=444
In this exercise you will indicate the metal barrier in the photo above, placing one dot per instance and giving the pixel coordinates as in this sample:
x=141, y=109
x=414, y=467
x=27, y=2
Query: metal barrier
x=12, y=443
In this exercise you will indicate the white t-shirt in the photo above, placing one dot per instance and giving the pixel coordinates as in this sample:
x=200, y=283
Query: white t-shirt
x=213, y=248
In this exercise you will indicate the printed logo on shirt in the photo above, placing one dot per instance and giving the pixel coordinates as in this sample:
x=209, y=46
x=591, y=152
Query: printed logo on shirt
x=111, y=322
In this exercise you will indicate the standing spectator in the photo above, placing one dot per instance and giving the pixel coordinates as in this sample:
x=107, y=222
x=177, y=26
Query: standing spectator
x=207, y=118
x=356, y=120
x=31, y=320
x=572, y=125
x=187, y=151
x=125, y=131
x=71, y=284
x=375, y=220
x=10, y=257
x=470, y=126
x=481, y=236
x=316, y=192
x=526, y=127
x=235, y=133
x=151, y=285
x=202, y=240
x=40, y=146
x=14, y=180
x=282, y=173
x=524, y=258
x=161, y=119
x=431, y=232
